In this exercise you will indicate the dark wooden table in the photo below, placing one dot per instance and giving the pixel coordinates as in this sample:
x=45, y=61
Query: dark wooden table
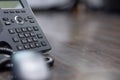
x=85, y=46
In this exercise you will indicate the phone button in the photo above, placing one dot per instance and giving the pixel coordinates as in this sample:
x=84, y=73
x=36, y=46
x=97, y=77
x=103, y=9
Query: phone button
x=29, y=40
x=15, y=39
x=21, y=35
x=20, y=47
x=35, y=28
x=32, y=34
x=35, y=39
x=18, y=30
x=6, y=12
x=19, y=20
x=30, y=17
x=23, y=11
x=24, y=29
x=17, y=11
x=11, y=31
x=5, y=19
x=32, y=21
x=43, y=43
x=37, y=45
x=27, y=35
x=39, y=36
x=7, y=23
x=29, y=29
x=32, y=45
x=24, y=41
x=12, y=20
x=26, y=46
x=11, y=11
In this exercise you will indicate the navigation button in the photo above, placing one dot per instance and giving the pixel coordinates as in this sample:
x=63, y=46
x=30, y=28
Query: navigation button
x=19, y=20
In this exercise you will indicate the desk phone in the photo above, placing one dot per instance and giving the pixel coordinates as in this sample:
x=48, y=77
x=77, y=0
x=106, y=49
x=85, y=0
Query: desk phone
x=19, y=29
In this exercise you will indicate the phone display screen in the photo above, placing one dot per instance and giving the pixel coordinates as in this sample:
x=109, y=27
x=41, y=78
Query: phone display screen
x=10, y=4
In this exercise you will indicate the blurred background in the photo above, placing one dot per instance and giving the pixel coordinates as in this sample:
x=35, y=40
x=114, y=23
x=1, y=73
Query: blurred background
x=84, y=35
x=53, y=4
x=70, y=4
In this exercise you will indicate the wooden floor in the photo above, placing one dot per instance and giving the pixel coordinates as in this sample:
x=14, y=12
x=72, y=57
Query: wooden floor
x=85, y=46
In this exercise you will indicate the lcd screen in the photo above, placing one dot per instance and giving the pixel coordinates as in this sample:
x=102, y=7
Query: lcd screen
x=10, y=4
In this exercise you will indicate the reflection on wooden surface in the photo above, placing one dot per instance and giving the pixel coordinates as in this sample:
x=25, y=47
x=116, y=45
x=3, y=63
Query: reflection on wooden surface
x=85, y=46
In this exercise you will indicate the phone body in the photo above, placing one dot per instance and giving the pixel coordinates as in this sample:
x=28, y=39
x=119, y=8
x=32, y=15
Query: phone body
x=19, y=27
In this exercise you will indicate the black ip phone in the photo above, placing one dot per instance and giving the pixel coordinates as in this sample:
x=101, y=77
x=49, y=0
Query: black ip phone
x=19, y=29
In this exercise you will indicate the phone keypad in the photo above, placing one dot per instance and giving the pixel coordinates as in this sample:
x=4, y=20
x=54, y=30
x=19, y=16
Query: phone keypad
x=28, y=36
x=23, y=30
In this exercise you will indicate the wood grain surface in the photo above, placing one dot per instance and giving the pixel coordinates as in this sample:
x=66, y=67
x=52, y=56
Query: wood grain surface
x=85, y=46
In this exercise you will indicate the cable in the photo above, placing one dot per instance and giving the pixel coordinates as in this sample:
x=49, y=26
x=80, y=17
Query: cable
x=5, y=57
x=6, y=51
